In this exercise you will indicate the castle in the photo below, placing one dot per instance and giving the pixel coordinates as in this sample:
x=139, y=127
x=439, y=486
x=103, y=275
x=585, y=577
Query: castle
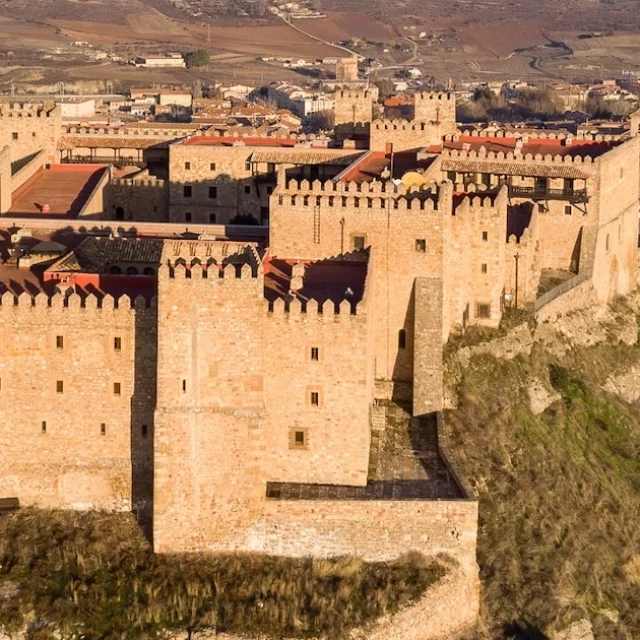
x=231, y=384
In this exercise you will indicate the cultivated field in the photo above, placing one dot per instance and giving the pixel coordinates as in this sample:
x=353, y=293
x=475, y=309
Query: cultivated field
x=501, y=40
x=279, y=40
x=343, y=25
x=153, y=23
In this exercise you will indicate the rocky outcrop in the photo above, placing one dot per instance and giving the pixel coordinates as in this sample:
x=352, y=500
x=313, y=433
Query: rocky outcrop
x=540, y=397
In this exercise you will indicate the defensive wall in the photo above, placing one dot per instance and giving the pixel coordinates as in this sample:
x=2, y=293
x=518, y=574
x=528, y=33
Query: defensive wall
x=322, y=219
x=142, y=197
x=28, y=129
x=404, y=134
x=436, y=107
x=354, y=105
x=219, y=397
x=78, y=386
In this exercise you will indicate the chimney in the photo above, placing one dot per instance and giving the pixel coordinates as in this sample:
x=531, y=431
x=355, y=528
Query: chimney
x=297, y=276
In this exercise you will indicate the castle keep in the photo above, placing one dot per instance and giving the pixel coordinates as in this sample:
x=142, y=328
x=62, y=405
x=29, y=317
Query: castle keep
x=220, y=331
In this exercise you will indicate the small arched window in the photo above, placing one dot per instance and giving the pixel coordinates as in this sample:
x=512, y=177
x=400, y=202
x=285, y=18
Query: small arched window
x=402, y=339
x=132, y=271
x=607, y=243
x=148, y=271
x=116, y=271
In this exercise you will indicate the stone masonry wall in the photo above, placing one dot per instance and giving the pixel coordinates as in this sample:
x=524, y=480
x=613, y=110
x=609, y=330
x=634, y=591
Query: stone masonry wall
x=55, y=452
x=221, y=180
x=142, y=199
x=209, y=444
x=615, y=203
x=331, y=223
x=28, y=129
x=354, y=106
x=373, y=530
x=338, y=431
x=404, y=134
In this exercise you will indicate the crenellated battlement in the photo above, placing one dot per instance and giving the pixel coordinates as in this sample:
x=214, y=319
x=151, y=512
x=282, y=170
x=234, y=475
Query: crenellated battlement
x=356, y=94
x=291, y=307
x=397, y=124
x=197, y=270
x=516, y=156
x=28, y=110
x=364, y=195
x=535, y=134
x=147, y=181
x=435, y=95
x=73, y=300
x=471, y=202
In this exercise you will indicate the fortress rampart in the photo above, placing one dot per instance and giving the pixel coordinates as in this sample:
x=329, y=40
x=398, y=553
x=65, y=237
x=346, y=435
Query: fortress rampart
x=65, y=451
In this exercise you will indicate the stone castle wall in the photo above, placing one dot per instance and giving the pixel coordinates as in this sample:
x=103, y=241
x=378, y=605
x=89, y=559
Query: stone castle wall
x=411, y=235
x=223, y=395
x=141, y=198
x=226, y=170
x=404, y=134
x=28, y=129
x=436, y=107
x=615, y=205
x=354, y=106
x=55, y=452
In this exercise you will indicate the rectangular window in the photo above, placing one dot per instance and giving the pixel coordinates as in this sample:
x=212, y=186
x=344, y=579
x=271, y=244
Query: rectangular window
x=298, y=438
x=186, y=191
x=359, y=242
x=269, y=190
x=247, y=188
x=315, y=353
x=212, y=166
x=402, y=339
x=421, y=245
x=212, y=218
x=568, y=209
x=144, y=430
x=103, y=429
x=117, y=344
x=187, y=166
x=247, y=166
x=14, y=135
x=59, y=386
x=116, y=389
x=483, y=311
x=43, y=426
x=315, y=398
x=184, y=386
x=59, y=342
x=483, y=267
x=541, y=208
x=187, y=216
x=213, y=192
x=485, y=236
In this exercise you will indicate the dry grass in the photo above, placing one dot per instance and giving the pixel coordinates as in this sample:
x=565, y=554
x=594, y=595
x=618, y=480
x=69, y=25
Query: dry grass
x=94, y=574
x=559, y=536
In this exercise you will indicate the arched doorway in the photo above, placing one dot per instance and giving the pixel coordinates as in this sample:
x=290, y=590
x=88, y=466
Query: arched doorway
x=119, y=213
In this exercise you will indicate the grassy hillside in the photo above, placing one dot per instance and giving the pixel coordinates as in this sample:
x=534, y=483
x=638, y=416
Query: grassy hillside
x=559, y=536
x=94, y=574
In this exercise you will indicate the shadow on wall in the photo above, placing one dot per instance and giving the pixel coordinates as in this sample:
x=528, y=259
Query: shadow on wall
x=143, y=402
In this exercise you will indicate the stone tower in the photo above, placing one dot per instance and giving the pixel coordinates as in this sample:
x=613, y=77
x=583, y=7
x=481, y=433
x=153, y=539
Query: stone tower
x=354, y=106
x=439, y=107
x=347, y=69
x=209, y=418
